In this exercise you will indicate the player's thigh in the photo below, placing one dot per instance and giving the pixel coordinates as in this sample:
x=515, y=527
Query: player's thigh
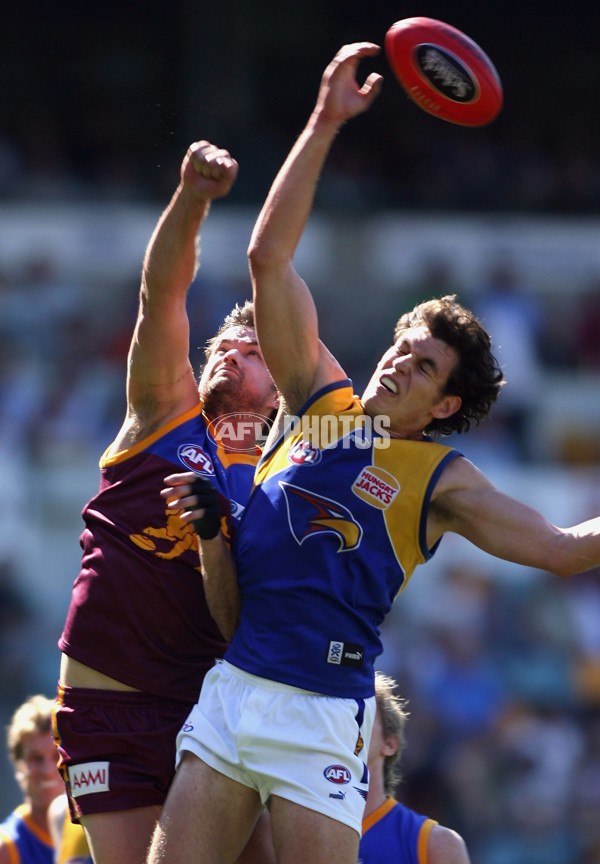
x=259, y=849
x=121, y=837
x=301, y=835
x=206, y=815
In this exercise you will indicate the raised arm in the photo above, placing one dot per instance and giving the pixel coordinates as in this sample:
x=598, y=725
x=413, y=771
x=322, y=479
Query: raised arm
x=160, y=381
x=466, y=503
x=285, y=314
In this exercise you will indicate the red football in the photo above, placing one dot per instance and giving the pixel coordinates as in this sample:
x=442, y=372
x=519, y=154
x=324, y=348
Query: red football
x=443, y=71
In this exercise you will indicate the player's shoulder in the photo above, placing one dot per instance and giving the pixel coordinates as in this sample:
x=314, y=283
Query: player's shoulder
x=446, y=846
x=460, y=475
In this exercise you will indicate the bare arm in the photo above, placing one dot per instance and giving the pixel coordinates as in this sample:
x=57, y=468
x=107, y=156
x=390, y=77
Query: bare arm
x=160, y=381
x=446, y=847
x=466, y=503
x=219, y=574
x=286, y=317
x=220, y=584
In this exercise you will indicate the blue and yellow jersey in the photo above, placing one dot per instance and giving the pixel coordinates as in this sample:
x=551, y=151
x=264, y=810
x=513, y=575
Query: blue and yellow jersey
x=26, y=842
x=333, y=530
x=394, y=833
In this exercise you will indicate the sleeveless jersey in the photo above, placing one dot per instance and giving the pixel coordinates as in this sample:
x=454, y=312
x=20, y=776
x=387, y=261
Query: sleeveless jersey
x=27, y=843
x=393, y=833
x=333, y=530
x=138, y=611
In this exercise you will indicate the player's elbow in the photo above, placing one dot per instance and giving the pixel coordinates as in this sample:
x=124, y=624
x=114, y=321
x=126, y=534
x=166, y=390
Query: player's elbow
x=567, y=558
x=265, y=257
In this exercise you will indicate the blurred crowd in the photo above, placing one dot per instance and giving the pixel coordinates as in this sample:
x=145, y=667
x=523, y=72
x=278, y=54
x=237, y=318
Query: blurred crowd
x=504, y=169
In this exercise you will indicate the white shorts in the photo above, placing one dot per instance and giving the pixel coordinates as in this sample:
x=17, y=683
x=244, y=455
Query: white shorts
x=280, y=740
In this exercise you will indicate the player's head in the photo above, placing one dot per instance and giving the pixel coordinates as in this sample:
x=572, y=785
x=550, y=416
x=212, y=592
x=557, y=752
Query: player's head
x=439, y=376
x=240, y=316
x=32, y=751
x=387, y=741
x=476, y=378
x=235, y=377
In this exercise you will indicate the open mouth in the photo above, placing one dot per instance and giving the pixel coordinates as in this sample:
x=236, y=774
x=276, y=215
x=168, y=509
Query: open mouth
x=389, y=384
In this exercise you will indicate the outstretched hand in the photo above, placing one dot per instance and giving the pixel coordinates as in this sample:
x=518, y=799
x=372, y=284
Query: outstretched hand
x=340, y=96
x=209, y=170
x=199, y=500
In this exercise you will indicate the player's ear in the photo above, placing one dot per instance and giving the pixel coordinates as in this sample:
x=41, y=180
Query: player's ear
x=447, y=406
x=390, y=746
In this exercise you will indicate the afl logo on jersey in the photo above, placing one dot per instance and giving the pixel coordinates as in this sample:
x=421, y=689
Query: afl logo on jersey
x=195, y=459
x=337, y=774
x=304, y=453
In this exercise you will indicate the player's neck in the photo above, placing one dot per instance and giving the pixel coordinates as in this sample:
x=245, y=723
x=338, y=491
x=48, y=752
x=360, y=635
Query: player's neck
x=375, y=799
x=38, y=815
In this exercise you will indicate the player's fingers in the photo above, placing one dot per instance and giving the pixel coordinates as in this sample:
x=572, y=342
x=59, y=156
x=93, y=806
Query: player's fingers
x=191, y=515
x=357, y=49
x=180, y=479
x=372, y=85
x=212, y=162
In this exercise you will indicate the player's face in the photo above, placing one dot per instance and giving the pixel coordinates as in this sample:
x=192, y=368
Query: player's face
x=235, y=376
x=409, y=381
x=36, y=770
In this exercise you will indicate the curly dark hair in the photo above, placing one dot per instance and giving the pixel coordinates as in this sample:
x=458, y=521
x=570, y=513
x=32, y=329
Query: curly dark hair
x=240, y=316
x=477, y=377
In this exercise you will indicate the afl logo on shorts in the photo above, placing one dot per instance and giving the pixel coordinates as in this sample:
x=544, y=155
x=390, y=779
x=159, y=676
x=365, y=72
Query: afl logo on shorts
x=195, y=459
x=337, y=774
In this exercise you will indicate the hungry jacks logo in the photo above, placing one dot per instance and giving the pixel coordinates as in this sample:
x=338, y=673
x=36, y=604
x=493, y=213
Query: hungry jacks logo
x=310, y=515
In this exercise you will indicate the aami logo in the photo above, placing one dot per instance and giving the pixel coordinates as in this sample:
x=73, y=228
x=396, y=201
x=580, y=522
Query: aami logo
x=337, y=774
x=89, y=777
x=195, y=459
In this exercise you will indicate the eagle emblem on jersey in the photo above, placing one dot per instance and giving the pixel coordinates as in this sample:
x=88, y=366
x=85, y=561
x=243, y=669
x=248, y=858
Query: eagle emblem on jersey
x=311, y=515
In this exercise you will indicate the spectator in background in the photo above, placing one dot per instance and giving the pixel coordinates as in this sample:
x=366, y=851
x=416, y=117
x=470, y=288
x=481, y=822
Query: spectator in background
x=391, y=831
x=24, y=835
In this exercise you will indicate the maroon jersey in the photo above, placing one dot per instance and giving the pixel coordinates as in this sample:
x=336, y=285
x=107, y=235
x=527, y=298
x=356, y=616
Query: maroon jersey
x=138, y=611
